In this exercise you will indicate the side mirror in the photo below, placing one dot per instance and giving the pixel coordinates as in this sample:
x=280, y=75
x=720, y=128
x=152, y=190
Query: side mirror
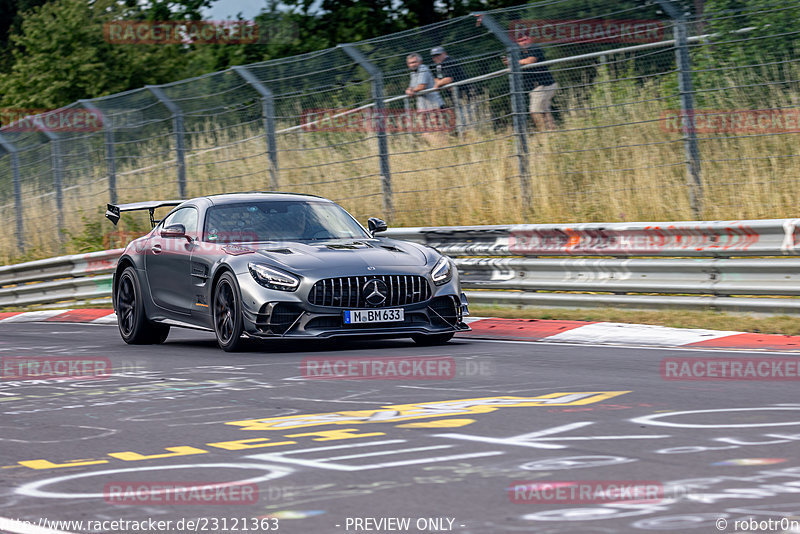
x=376, y=225
x=176, y=230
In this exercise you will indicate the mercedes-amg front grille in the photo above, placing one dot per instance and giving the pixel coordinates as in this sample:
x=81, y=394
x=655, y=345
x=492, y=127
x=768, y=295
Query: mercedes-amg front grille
x=349, y=291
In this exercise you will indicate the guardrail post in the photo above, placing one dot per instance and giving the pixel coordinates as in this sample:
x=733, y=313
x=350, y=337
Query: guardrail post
x=268, y=113
x=58, y=177
x=177, y=122
x=111, y=160
x=519, y=110
x=380, y=110
x=686, y=90
x=12, y=151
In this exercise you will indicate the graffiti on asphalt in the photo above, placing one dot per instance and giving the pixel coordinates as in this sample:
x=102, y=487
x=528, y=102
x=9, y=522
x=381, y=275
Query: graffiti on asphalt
x=405, y=412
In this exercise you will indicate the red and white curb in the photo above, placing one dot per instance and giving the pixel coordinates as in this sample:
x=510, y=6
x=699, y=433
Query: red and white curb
x=521, y=330
x=102, y=316
x=625, y=334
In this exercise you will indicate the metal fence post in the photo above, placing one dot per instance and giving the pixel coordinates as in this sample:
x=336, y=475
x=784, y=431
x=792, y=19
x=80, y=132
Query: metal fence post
x=519, y=110
x=686, y=90
x=459, y=111
x=380, y=111
x=12, y=151
x=111, y=160
x=268, y=113
x=58, y=177
x=408, y=113
x=177, y=122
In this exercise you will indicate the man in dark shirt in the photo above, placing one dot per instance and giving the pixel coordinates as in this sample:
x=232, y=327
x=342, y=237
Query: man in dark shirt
x=538, y=82
x=447, y=71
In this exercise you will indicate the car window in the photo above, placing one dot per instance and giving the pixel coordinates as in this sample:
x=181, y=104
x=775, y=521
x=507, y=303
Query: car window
x=280, y=221
x=185, y=216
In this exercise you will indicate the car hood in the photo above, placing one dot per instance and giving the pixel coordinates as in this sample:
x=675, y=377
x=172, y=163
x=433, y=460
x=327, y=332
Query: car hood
x=351, y=254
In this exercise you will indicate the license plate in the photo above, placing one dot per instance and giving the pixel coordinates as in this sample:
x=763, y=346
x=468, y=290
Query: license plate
x=384, y=315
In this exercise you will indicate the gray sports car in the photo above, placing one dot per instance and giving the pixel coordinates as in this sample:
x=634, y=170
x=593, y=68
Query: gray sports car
x=276, y=265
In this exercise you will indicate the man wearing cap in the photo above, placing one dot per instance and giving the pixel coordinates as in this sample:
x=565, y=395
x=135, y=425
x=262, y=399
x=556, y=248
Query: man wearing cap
x=447, y=71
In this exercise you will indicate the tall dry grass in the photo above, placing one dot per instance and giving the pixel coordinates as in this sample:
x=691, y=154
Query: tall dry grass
x=610, y=159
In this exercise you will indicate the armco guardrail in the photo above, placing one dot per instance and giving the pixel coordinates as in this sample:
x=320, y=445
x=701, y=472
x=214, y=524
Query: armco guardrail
x=652, y=265
x=767, y=237
x=727, y=265
x=80, y=277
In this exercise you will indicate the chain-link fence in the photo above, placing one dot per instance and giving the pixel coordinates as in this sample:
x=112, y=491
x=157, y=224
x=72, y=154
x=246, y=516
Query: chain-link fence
x=557, y=112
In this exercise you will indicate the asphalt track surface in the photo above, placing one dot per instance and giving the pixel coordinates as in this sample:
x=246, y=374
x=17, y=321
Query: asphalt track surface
x=459, y=451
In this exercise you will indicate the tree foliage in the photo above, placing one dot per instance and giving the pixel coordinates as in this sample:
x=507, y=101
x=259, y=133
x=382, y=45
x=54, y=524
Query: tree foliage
x=751, y=42
x=53, y=52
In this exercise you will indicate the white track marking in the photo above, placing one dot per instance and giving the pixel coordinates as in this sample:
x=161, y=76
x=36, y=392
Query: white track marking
x=637, y=333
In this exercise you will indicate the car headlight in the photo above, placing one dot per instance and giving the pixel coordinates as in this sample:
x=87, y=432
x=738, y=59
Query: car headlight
x=273, y=278
x=442, y=272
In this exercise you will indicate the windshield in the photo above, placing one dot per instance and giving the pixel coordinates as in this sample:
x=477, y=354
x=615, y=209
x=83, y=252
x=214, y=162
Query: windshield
x=280, y=220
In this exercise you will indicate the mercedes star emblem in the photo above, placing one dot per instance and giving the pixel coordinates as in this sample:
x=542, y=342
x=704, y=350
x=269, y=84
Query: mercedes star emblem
x=375, y=292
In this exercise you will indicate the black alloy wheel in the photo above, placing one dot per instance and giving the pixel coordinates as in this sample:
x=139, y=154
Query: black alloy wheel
x=228, y=324
x=134, y=327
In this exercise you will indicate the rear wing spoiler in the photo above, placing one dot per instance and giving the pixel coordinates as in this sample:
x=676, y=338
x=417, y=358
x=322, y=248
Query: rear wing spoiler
x=113, y=212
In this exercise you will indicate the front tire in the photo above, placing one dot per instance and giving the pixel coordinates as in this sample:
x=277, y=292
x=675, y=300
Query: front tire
x=427, y=340
x=228, y=324
x=134, y=327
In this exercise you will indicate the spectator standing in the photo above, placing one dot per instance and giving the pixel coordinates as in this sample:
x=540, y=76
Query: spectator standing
x=421, y=79
x=538, y=82
x=448, y=71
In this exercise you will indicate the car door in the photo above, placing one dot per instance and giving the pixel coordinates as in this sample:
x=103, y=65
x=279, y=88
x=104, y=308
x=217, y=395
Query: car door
x=167, y=261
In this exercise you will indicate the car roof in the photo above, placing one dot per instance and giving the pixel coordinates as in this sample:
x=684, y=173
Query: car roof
x=233, y=198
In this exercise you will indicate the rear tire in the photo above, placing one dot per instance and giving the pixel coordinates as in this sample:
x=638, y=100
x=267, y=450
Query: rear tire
x=427, y=340
x=134, y=327
x=228, y=323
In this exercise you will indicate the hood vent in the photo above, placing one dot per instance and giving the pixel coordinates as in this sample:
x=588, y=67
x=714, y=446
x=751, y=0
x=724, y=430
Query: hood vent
x=349, y=246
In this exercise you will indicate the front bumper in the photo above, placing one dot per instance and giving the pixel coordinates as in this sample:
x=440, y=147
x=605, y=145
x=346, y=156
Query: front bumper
x=290, y=319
